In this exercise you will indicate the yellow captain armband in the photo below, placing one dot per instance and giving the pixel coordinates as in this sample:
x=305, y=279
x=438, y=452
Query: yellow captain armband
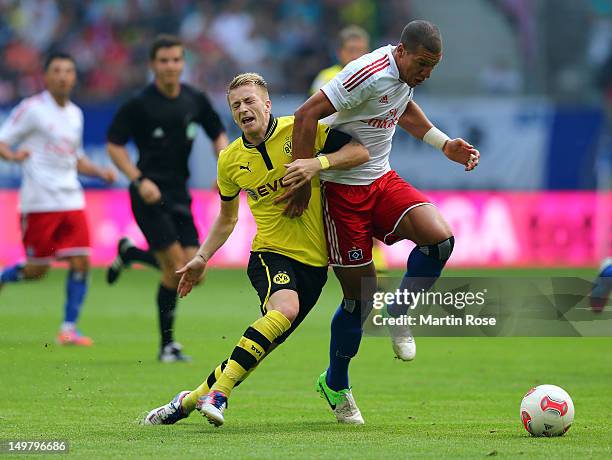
x=324, y=161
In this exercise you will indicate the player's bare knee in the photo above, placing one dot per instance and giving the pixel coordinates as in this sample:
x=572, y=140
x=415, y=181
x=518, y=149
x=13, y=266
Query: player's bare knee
x=439, y=239
x=169, y=277
x=352, y=279
x=289, y=310
x=79, y=264
x=168, y=268
x=285, y=301
x=438, y=233
x=35, y=272
x=424, y=225
x=175, y=267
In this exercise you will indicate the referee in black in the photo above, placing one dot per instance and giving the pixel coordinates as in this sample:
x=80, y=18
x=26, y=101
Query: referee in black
x=162, y=121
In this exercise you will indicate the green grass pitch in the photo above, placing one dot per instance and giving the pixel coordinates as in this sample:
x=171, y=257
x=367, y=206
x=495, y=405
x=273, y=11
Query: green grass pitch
x=458, y=399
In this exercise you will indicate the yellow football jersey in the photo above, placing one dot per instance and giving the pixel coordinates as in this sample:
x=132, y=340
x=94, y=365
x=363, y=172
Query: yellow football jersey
x=323, y=77
x=259, y=170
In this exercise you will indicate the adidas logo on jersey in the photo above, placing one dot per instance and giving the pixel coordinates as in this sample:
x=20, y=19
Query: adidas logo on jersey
x=158, y=133
x=384, y=99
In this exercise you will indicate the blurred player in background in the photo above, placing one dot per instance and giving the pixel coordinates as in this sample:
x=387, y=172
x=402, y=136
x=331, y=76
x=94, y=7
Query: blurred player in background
x=162, y=120
x=288, y=263
x=602, y=286
x=368, y=99
x=354, y=42
x=48, y=130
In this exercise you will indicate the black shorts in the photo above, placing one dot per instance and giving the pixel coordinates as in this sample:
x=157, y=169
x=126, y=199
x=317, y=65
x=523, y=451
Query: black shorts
x=166, y=222
x=270, y=272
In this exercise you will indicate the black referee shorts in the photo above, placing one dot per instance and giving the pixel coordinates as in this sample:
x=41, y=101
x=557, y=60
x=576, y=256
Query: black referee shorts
x=166, y=222
x=270, y=272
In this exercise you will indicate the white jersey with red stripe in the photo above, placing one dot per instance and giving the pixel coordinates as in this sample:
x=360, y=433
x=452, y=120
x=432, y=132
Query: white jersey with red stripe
x=53, y=135
x=369, y=98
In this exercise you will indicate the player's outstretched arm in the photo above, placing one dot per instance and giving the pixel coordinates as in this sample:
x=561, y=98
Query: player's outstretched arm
x=415, y=121
x=220, y=231
x=87, y=167
x=7, y=154
x=120, y=157
x=417, y=124
x=148, y=190
x=220, y=143
x=300, y=172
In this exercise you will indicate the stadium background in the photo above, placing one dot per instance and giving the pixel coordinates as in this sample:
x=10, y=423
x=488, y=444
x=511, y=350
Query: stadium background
x=529, y=82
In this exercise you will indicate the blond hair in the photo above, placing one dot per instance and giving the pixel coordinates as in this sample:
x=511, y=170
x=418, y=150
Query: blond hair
x=352, y=32
x=249, y=78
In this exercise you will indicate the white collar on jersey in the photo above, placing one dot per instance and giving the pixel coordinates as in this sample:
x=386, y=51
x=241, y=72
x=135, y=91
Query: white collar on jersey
x=393, y=65
x=46, y=95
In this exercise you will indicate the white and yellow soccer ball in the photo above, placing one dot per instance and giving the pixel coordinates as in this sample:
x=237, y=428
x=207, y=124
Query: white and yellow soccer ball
x=547, y=410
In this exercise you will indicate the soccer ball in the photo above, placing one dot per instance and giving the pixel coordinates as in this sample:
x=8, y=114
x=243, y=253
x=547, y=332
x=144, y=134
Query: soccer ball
x=547, y=410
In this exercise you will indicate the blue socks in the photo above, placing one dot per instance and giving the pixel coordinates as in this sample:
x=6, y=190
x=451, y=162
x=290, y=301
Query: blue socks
x=76, y=288
x=424, y=267
x=346, y=330
x=421, y=273
x=12, y=274
x=603, y=283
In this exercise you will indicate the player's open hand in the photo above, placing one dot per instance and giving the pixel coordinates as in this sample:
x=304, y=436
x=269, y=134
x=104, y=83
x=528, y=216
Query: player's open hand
x=300, y=172
x=191, y=274
x=463, y=153
x=21, y=155
x=149, y=191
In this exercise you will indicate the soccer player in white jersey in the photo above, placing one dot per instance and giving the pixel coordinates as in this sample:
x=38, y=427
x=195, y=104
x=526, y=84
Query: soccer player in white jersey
x=368, y=98
x=47, y=128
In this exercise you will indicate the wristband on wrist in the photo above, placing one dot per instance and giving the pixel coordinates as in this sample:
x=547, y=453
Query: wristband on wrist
x=324, y=161
x=201, y=257
x=436, y=138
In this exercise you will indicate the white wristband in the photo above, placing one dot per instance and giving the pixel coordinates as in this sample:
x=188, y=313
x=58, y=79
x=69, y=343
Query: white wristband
x=436, y=138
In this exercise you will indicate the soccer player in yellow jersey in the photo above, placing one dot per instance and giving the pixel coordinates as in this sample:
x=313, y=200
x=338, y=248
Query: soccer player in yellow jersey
x=288, y=263
x=354, y=42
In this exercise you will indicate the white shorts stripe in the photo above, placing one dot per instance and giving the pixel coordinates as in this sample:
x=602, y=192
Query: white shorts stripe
x=67, y=252
x=332, y=236
x=352, y=266
x=331, y=242
x=40, y=260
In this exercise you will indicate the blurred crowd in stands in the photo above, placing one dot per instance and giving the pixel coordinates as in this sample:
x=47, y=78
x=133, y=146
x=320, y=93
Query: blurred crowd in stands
x=288, y=41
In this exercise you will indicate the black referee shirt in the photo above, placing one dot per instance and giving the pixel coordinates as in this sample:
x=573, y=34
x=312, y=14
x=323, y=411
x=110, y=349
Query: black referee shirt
x=163, y=130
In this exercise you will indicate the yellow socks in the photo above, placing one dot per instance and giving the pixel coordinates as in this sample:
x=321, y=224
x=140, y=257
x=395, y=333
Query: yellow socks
x=252, y=346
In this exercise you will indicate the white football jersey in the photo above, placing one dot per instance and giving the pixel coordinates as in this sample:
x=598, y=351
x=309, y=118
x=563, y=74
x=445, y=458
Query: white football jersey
x=369, y=98
x=54, y=137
